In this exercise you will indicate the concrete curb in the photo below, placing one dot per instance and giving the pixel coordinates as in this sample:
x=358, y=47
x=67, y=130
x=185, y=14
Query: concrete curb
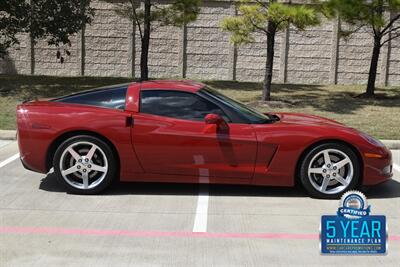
x=391, y=144
x=11, y=135
x=8, y=134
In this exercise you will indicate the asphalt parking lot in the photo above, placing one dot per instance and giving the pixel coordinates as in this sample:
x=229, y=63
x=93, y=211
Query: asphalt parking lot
x=139, y=224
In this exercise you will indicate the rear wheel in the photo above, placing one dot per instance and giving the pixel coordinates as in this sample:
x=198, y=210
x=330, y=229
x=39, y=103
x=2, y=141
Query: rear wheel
x=84, y=164
x=328, y=170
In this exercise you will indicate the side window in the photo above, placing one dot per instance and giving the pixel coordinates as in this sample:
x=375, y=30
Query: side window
x=179, y=105
x=108, y=98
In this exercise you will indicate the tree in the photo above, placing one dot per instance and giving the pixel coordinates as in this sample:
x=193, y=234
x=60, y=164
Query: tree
x=13, y=15
x=267, y=18
x=177, y=13
x=55, y=20
x=368, y=14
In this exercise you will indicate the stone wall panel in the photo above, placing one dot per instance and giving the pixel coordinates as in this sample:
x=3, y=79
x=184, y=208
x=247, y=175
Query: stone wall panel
x=306, y=57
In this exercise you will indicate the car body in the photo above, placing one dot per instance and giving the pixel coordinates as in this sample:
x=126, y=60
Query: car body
x=155, y=137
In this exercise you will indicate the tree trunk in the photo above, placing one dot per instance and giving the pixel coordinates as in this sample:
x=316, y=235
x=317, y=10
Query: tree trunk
x=270, y=61
x=144, y=69
x=373, y=67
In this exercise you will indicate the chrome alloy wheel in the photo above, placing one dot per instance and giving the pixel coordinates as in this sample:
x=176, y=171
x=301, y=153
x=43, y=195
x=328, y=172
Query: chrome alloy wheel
x=330, y=171
x=83, y=165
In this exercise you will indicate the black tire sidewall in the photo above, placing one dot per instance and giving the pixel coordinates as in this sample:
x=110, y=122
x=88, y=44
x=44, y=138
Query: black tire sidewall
x=112, y=168
x=312, y=152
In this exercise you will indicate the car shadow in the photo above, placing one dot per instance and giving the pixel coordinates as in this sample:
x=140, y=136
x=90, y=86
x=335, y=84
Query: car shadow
x=50, y=184
x=193, y=189
x=390, y=189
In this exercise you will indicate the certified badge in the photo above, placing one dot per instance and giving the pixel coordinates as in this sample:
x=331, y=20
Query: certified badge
x=353, y=205
x=353, y=230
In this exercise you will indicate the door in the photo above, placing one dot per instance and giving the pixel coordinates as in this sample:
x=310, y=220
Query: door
x=170, y=137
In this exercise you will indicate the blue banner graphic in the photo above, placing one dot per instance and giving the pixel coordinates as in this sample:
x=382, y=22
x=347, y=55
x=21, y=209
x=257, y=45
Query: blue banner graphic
x=353, y=230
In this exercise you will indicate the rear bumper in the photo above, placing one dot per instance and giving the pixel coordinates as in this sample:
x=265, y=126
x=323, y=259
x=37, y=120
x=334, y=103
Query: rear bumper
x=33, y=150
x=26, y=166
x=32, y=146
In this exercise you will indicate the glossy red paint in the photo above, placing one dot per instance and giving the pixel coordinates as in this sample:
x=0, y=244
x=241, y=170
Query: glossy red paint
x=162, y=149
x=180, y=147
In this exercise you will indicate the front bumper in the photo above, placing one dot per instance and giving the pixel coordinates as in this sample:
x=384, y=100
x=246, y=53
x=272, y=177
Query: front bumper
x=378, y=170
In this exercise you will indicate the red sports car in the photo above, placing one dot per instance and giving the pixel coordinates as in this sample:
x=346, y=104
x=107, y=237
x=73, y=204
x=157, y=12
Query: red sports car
x=186, y=132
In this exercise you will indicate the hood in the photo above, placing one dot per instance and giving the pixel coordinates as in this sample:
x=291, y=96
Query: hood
x=304, y=119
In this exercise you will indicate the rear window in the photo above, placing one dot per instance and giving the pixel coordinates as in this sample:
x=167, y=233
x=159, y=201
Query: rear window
x=108, y=98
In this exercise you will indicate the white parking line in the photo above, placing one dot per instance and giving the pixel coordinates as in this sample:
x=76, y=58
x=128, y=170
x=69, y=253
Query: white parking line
x=200, y=220
x=10, y=159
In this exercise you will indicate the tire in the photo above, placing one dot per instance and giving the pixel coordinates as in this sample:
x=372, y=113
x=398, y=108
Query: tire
x=85, y=165
x=328, y=170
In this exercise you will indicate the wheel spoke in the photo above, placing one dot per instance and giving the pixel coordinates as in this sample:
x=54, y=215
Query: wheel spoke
x=327, y=159
x=76, y=165
x=315, y=170
x=330, y=177
x=91, y=152
x=70, y=170
x=73, y=153
x=342, y=163
x=98, y=168
x=341, y=180
x=324, y=185
x=85, y=177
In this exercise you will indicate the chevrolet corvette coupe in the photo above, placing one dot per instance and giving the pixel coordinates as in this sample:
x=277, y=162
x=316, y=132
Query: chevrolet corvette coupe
x=187, y=132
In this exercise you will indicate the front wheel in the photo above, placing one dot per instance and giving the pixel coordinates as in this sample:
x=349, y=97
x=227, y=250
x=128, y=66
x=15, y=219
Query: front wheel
x=328, y=170
x=84, y=164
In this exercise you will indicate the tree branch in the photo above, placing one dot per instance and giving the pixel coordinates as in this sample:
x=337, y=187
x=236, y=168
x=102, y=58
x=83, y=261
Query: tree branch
x=258, y=27
x=136, y=18
x=391, y=30
x=354, y=30
x=390, y=38
x=393, y=20
x=262, y=3
x=347, y=33
x=376, y=32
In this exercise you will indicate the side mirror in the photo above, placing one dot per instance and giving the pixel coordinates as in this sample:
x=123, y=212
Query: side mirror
x=220, y=124
x=213, y=119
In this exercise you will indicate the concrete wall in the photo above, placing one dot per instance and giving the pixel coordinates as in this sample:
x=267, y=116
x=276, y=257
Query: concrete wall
x=110, y=46
x=394, y=60
x=106, y=43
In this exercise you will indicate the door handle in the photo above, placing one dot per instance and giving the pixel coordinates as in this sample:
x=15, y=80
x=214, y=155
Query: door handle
x=129, y=121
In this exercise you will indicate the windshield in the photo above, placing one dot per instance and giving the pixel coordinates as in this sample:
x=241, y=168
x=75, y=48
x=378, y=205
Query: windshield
x=250, y=114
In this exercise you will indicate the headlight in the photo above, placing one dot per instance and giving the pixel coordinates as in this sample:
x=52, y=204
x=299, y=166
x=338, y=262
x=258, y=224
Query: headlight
x=371, y=140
